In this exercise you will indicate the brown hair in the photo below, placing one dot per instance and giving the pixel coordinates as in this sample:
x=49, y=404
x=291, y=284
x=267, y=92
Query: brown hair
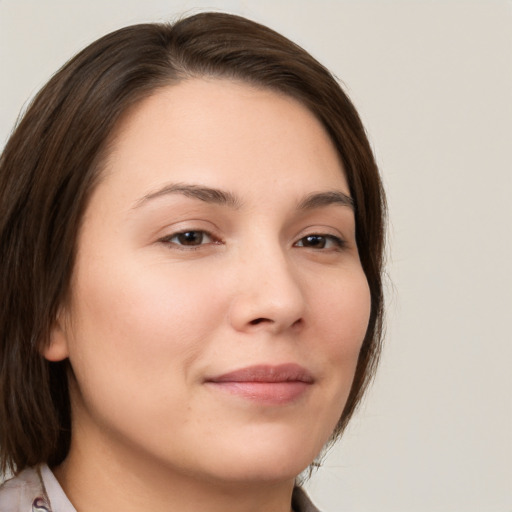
x=50, y=165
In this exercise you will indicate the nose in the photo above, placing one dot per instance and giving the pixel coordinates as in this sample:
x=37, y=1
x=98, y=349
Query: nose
x=268, y=294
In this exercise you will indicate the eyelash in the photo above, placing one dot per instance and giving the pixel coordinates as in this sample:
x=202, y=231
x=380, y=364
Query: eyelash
x=337, y=242
x=168, y=240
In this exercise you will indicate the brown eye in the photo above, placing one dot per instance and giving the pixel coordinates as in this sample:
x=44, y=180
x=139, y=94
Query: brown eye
x=320, y=242
x=189, y=238
x=315, y=241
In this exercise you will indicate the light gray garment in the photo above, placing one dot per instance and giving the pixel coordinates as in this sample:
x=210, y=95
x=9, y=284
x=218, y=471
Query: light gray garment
x=37, y=490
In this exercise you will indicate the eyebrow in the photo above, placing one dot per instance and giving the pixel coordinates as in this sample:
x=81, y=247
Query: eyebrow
x=321, y=199
x=221, y=197
x=205, y=194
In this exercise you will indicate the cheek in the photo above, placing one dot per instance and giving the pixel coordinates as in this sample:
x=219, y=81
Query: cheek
x=339, y=314
x=344, y=311
x=139, y=320
x=342, y=315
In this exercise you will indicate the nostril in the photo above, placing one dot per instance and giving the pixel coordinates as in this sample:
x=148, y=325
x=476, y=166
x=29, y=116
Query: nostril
x=258, y=321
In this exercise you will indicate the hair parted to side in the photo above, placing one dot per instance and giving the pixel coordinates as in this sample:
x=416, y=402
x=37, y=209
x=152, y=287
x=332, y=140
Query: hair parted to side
x=53, y=160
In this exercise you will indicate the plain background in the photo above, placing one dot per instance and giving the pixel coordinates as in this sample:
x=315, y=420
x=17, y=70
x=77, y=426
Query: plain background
x=433, y=83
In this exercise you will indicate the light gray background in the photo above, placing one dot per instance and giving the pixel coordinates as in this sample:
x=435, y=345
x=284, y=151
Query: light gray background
x=433, y=83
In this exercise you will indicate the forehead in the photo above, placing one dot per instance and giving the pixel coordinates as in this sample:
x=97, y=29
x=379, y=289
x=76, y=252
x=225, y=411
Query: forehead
x=217, y=131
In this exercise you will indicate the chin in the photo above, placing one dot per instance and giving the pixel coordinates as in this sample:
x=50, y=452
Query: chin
x=265, y=459
x=261, y=471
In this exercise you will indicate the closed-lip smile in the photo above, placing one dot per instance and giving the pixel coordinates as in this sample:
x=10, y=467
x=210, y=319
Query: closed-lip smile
x=266, y=384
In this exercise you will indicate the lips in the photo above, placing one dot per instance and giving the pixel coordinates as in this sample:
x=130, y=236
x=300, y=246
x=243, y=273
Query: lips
x=266, y=384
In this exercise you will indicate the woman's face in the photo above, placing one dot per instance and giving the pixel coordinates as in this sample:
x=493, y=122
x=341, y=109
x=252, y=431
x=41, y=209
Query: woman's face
x=218, y=303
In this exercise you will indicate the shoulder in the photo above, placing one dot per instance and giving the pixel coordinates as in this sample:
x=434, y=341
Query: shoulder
x=23, y=493
x=301, y=502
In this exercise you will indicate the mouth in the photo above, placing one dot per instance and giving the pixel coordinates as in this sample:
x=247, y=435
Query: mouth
x=265, y=384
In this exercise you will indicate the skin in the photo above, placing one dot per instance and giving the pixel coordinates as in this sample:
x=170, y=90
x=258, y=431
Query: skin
x=154, y=313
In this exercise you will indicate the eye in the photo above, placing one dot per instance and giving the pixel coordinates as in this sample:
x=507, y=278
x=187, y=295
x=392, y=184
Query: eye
x=321, y=242
x=192, y=238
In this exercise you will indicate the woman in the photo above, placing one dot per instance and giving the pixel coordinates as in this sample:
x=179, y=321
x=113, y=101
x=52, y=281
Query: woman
x=191, y=236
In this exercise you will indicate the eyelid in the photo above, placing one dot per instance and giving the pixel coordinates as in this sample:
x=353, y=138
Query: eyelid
x=338, y=241
x=335, y=231
x=167, y=239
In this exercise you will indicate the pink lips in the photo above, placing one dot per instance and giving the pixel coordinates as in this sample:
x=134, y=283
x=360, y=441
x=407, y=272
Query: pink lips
x=273, y=385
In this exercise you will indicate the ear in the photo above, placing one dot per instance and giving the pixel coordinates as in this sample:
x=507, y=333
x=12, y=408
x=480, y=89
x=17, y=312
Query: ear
x=57, y=347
